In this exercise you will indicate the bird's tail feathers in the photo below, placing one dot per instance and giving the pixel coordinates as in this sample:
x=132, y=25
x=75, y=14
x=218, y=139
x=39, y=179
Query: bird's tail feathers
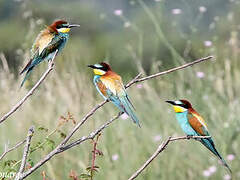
x=26, y=76
x=210, y=145
x=27, y=66
x=128, y=109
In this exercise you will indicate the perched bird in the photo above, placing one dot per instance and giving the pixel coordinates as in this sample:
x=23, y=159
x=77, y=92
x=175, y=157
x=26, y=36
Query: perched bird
x=53, y=38
x=109, y=84
x=194, y=125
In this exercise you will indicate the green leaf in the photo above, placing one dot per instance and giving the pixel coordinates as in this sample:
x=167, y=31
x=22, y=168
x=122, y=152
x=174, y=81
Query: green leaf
x=8, y=163
x=42, y=129
x=62, y=134
x=84, y=176
x=50, y=143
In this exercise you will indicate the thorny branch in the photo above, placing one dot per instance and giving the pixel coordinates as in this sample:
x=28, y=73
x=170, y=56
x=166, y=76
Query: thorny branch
x=63, y=146
x=160, y=149
x=20, y=103
x=25, y=154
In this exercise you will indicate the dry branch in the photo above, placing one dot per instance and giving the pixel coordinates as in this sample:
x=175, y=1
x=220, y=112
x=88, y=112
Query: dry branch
x=25, y=154
x=7, y=150
x=160, y=149
x=20, y=103
x=63, y=146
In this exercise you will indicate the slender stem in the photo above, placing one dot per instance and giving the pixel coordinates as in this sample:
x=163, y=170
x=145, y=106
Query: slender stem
x=170, y=70
x=25, y=154
x=160, y=149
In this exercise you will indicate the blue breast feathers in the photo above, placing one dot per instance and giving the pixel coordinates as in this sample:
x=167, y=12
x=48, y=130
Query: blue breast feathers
x=183, y=121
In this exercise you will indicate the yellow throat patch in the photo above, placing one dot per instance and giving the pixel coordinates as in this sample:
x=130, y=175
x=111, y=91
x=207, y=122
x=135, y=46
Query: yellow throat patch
x=64, y=30
x=179, y=109
x=99, y=72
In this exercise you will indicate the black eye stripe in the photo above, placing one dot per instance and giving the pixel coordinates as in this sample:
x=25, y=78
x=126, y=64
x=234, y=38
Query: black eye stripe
x=62, y=26
x=101, y=68
x=183, y=105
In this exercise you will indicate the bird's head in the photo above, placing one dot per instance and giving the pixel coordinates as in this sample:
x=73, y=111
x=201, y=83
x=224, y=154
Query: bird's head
x=100, y=68
x=180, y=105
x=62, y=26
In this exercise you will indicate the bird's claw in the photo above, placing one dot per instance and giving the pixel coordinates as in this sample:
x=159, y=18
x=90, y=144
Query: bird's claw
x=189, y=137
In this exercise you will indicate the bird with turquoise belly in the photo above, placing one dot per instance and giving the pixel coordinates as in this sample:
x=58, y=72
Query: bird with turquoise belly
x=194, y=125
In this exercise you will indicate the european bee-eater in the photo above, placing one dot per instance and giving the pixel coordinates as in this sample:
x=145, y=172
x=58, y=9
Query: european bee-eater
x=194, y=125
x=109, y=84
x=53, y=38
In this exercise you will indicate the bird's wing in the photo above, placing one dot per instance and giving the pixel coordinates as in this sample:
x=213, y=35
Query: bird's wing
x=43, y=40
x=116, y=92
x=55, y=43
x=198, y=124
x=113, y=84
x=101, y=88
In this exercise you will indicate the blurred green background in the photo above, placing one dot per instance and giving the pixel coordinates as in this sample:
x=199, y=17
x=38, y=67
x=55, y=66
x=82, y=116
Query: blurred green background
x=133, y=36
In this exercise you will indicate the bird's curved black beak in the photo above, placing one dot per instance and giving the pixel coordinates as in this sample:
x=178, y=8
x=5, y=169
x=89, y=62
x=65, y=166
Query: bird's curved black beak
x=91, y=66
x=170, y=102
x=73, y=25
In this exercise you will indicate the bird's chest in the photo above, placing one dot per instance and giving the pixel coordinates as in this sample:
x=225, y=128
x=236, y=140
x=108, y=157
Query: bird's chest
x=183, y=121
x=63, y=39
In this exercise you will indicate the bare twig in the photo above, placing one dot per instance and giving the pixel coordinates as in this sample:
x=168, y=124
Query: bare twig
x=160, y=149
x=7, y=150
x=25, y=154
x=63, y=146
x=20, y=103
x=91, y=136
x=170, y=70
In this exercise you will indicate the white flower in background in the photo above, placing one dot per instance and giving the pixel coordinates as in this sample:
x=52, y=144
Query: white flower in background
x=127, y=24
x=157, y=0
x=206, y=173
x=176, y=11
x=227, y=177
x=202, y=9
x=230, y=157
x=115, y=157
x=118, y=12
x=124, y=116
x=212, y=169
x=139, y=86
x=200, y=74
x=157, y=138
x=207, y=43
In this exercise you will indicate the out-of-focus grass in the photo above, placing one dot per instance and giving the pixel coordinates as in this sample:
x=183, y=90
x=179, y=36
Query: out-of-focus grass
x=212, y=87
